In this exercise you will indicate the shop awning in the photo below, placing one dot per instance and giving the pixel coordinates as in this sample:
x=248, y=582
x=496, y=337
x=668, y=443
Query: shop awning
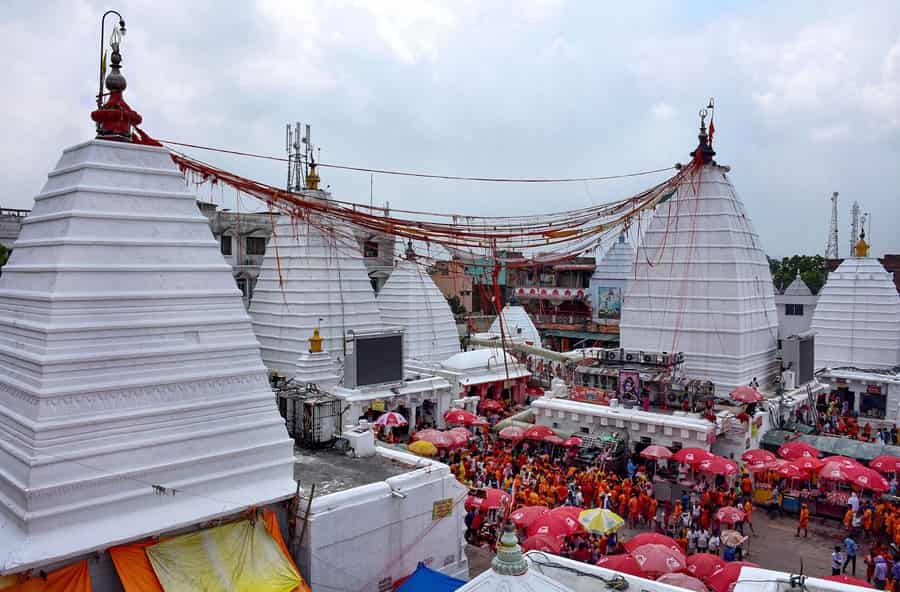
x=775, y=438
x=833, y=446
x=605, y=337
x=425, y=579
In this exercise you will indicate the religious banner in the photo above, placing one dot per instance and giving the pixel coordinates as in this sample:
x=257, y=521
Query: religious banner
x=587, y=394
x=378, y=405
x=442, y=508
x=629, y=384
x=609, y=303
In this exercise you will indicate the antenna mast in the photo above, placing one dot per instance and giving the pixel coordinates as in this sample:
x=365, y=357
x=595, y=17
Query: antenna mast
x=831, y=249
x=298, y=146
x=854, y=225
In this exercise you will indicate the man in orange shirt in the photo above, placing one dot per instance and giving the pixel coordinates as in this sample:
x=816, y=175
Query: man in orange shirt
x=803, y=523
x=748, y=511
x=633, y=514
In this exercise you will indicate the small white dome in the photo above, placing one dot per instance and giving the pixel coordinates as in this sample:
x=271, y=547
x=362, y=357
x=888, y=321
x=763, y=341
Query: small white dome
x=478, y=358
x=517, y=325
x=410, y=299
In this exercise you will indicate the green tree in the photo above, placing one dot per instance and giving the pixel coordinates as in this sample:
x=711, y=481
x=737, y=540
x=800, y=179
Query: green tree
x=810, y=268
x=4, y=255
x=456, y=306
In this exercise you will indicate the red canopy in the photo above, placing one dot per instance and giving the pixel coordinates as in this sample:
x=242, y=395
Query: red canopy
x=835, y=471
x=841, y=460
x=524, y=516
x=656, y=560
x=717, y=466
x=556, y=525
x=622, y=562
x=845, y=579
x=494, y=498
x=682, y=580
x=868, y=479
x=554, y=439
x=722, y=579
x=657, y=452
x=436, y=437
x=747, y=394
x=730, y=515
x=702, y=565
x=512, y=433
x=570, y=511
x=543, y=542
x=572, y=441
x=886, y=464
x=650, y=538
x=491, y=405
x=757, y=456
x=791, y=471
x=460, y=438
x=690, y=456
x=538, y=432
x=808, y=463
x=461, y=416
x=796, y=449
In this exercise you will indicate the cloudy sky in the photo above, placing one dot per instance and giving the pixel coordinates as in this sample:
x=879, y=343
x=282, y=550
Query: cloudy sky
x=808, y=97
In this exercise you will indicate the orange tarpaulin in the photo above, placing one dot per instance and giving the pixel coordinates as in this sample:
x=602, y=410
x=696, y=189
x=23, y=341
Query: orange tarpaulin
x=136, y=571
x=134, y=568
x=72, y=578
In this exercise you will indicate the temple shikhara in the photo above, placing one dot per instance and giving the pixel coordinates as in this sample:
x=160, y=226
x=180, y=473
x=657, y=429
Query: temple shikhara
x=320, y=394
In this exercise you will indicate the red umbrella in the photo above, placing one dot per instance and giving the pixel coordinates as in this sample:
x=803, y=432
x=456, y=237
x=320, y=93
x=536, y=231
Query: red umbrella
x=868, y=479
x=556, y=525
x=702, y=565
x=835, y=471
x=656, y=560
x=436, y=437
x=391, y=418
x=808, y=463
x=796, y=449
x=461, y=417
x=683, y=581
x=730, y=515
x=844, y=579
x=622, y=562
x=757, y=456
x=717, y=466
x=690, y=456
x=791, y=471
x=491, y=405
x=534, y=391
x=886, y=463
x=657, y=452
x=459, y=438
x=747, y=394
x=538, y=432
x=493, y=499
x=723, y=579
x=543, y=542
x=759, y=466
x=650, y=538
x=841, y=460
x=461, y=431
x=572, y=441
x=524, y=516
x=512, y=433
x=554, y=439
x=571, y=511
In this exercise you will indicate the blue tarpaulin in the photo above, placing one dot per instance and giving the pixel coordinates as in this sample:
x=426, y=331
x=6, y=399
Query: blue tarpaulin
x=425, y=579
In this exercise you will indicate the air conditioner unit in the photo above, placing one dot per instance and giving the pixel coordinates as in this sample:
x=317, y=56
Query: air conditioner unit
x=790, y=380
x=632, y=356
x=611, y=355
x=647, y=358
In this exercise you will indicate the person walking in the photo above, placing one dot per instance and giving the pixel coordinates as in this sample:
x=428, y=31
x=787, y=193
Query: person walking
x=837, y=561
x=850, y=547
x=803, y=522
x=880, y=574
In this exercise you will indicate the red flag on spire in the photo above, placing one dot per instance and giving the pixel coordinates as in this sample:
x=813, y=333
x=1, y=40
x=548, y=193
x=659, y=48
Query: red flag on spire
x=712, y=130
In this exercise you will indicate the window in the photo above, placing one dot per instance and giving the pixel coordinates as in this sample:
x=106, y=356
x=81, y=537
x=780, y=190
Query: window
x=585, y=430
x=370, y=249
x=793, y=310
x=226, y=244
x=256, y=245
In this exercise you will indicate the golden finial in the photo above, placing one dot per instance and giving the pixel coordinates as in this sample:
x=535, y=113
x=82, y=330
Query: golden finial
x=315, y=342
x=862, y=247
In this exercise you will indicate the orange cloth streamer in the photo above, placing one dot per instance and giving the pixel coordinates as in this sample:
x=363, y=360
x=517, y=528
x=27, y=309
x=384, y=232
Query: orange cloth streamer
x=271, y=522
x=71, y=578
x=133, y=567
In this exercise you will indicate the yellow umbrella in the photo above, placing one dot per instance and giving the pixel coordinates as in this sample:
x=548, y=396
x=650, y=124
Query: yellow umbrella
x=600, y=521
x=423, y=448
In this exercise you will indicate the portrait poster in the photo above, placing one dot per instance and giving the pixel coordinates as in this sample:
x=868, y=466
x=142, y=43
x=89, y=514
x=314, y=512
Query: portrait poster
x=609, y=302
x=629, y=384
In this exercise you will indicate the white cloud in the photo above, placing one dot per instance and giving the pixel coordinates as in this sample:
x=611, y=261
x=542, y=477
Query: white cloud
x=662, y=111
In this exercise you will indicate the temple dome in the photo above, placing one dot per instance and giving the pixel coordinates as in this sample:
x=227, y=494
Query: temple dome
x=310, y=279
x=131, y=386
x=517, y=325
x=798, y=288
x=702, y=285
x=857, y=317
x=410, y=299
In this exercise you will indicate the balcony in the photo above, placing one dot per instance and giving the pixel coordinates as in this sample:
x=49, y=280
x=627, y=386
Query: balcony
x=553, y=294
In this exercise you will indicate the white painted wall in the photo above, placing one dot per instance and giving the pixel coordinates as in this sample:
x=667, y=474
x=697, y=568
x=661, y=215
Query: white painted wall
x=359, y=537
